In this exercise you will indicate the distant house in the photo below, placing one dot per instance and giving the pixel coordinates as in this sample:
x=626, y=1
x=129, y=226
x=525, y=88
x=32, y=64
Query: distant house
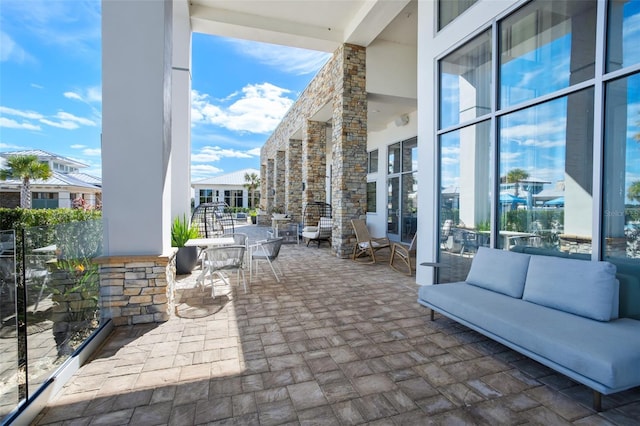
x=228, y=188
x=66, y=186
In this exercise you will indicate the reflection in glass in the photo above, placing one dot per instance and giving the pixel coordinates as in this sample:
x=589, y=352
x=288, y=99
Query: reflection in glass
x=448, y=10
x=394, y=158
x=544, y=47
x=622, y=169
x=10, y=376
x=623, y=33
x=372, y=205
x=373, y=162
x=465, y=206
x=393, y=204
x=465, y=82
x=409, y=206
x=410, y=155
x=546, y=157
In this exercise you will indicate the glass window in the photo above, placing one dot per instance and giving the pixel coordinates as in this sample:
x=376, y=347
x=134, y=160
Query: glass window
x=465, y=206
x=622, y=169
x=206, y=196
x=465, y=82
x=372, y=165
x=394, y=158
x=546, y=175
x=544, y=47
x=623, y=33
x=448, y=10
x=371, y=197
x=410, y=155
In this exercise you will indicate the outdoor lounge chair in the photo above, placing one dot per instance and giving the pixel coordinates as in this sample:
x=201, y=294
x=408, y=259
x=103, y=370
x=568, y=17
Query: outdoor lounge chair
x=320, y=232
x=224, y=258
x=267, y=250
x=366, y=245
x=404, y=253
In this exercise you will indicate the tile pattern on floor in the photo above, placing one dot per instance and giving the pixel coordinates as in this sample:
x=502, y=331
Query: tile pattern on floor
x=334, y=342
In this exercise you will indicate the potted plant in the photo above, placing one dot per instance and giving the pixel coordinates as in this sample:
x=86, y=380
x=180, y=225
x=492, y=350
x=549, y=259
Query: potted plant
x=187, y=257
x=278, y=213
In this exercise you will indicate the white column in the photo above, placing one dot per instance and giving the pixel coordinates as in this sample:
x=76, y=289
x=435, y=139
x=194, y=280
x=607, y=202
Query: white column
x=136, y=126
x=64, y=199
x=90, y=199
x=181, y=111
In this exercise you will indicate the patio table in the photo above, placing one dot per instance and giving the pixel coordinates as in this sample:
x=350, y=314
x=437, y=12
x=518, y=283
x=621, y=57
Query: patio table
x=205, y=243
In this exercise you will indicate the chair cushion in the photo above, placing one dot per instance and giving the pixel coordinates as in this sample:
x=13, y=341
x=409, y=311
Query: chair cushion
x=310, y=229
x=499, y=270
x=580, y=287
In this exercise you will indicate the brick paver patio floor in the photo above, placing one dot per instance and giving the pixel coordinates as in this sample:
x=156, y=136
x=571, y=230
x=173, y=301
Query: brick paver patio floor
x=333, y=343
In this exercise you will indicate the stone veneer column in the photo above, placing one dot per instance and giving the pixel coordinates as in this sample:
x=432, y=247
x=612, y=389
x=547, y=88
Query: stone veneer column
x=314, y=161
x=293, y=184
x=349, y=148
x=137, y=289
x=279, y=179
x=270, y=185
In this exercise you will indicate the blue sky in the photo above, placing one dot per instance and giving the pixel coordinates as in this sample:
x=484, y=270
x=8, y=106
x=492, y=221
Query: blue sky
x=50, y=87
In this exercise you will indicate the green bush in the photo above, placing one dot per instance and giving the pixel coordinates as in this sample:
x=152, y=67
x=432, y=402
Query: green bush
x=182, y=231
x=20, y=219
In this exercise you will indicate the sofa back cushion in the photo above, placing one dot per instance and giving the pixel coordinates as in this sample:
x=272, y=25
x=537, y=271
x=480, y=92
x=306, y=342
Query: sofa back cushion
x=584, y=288
x=499, y=270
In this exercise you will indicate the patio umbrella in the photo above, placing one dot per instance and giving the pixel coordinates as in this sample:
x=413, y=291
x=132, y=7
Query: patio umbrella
x=506, y=198
x=555, y=202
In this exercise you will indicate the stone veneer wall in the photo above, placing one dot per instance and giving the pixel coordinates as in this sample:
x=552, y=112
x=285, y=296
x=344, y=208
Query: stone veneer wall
x=137, y=289
x=349, y=149
x=314, y=162
x=280, y=169
x=293, y=184
x=341, y=83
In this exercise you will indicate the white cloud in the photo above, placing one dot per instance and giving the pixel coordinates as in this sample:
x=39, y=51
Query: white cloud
x=31, y=115
x=204, y=170
x=289, y=59
x=65, y=120
x=210, y=154
x=92, y=152
x=77, y=146
x=258, y=108
x=72, y=95
x=254, y=152
x=13, y=124
x=72, y=24
x=11, y=51
x=36, y=86
x=88, y=95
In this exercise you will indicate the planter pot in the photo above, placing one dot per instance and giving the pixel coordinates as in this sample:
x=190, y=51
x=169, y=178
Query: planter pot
x=186, y=260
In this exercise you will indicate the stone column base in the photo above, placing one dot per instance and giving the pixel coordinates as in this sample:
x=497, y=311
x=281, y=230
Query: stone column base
x=137, y=289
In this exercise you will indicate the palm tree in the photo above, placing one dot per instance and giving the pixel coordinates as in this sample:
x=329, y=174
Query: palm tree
x=25, y=168
x=253, y=183
x=515, y=176
x=633, y=193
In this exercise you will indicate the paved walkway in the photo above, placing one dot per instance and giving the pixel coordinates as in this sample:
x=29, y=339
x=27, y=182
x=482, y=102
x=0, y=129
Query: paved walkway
x=333, y=343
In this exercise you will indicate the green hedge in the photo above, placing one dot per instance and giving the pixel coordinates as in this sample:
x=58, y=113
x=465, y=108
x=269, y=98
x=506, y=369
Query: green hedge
x=19, y=219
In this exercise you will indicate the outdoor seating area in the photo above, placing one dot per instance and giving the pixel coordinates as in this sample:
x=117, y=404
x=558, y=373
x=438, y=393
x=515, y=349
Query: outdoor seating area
x=357, y=349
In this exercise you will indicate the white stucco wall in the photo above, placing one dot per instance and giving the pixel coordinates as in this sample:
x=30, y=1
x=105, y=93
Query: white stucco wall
x=391, y=69
x=377, y=222
x=136, y=118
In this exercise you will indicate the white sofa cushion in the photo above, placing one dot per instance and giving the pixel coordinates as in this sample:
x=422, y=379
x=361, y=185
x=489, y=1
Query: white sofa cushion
x=581, y=287
x=499, y=270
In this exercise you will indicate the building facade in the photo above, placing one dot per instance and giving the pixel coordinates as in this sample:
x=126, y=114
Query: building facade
x=229, y=188
x=425, y=109
x=67, y=187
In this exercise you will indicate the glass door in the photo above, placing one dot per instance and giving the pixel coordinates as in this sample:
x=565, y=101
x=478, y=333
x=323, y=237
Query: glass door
x=402, y=190
x=393, y=208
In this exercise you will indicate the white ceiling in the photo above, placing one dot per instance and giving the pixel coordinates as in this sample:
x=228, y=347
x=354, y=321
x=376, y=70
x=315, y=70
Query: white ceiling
x=318, y=25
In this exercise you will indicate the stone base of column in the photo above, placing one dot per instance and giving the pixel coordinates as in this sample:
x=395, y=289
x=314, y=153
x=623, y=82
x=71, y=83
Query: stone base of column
x=137, y=289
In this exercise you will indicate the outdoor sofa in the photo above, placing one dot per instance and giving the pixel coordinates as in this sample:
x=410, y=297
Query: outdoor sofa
x=564, y=313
